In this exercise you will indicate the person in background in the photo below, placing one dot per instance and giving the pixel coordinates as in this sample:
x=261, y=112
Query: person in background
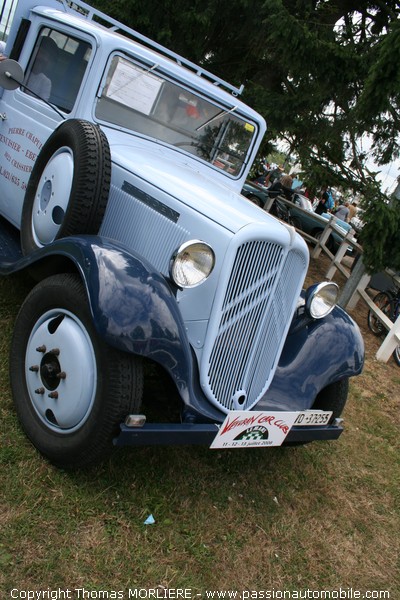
x=343, y=212
x=286, y=181
x=263, y=174
x=326, y=202
x=282, y=186
x=274, y=175
x=352, y=210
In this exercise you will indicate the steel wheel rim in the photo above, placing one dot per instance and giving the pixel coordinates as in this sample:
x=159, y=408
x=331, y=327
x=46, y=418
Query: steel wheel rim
x=60, y=371
x=52, y=197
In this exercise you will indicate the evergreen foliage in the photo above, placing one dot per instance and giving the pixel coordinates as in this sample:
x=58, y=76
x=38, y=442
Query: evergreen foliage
x=323, y=74
x=380, y=234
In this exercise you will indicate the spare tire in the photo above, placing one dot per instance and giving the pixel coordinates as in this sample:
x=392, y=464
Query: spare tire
x=69, y=185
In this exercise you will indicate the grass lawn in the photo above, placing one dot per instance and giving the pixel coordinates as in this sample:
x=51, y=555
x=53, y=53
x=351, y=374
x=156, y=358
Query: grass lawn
x=321, y=517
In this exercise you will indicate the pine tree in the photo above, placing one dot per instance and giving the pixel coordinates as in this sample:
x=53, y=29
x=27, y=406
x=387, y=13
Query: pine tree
x=323, y=74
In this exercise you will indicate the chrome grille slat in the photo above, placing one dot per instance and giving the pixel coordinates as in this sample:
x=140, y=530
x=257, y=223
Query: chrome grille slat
x=255, y=313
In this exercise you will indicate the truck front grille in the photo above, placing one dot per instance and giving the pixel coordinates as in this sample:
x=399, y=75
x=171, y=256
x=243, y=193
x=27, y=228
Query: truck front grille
x=254, y=316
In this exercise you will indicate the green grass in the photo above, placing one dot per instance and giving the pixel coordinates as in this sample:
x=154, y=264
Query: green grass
x=321, y=516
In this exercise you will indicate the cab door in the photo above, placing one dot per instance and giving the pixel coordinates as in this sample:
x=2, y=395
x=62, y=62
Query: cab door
x=29, y=114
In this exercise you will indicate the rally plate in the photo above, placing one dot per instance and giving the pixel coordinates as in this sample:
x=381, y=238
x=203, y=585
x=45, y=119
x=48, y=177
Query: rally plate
x=256, y=429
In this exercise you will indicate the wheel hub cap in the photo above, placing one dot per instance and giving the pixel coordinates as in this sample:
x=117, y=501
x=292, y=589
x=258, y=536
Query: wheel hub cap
x=61, y=371
x=52, y=197
x=50, y=370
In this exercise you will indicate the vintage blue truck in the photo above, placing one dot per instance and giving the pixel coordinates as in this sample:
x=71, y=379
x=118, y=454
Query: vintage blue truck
x=121, y=166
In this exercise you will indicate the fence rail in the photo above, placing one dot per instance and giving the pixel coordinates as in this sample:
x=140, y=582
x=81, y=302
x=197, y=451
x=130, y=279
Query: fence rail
x=328, y=226
x=357, y=281
x=392, y=339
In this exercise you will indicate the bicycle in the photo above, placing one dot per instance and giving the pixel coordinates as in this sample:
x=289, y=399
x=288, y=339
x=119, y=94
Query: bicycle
x=389, y=303
x=279, y=209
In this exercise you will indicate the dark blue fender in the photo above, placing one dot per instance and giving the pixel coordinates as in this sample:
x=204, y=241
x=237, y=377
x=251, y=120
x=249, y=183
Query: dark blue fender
x=316, y=354
x=133, y=307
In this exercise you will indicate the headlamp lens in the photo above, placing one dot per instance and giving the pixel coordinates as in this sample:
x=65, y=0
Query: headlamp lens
x=321, y=299
x=192, y=264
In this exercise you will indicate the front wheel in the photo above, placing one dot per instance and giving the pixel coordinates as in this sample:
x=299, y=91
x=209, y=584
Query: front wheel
x=330, y=244
x=255, y=200
x=295, y=222
x=70, y=389
x=333, y=397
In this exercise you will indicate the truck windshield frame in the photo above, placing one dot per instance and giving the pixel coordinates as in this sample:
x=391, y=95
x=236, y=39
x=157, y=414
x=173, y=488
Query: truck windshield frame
x=144, y=100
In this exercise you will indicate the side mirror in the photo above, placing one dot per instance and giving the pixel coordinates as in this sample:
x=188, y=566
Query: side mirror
x=11, y=74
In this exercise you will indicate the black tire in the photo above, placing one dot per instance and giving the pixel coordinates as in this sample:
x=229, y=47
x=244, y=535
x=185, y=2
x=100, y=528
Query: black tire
x=333, y=397
x=396, y=355
x=255, y=200
x=71, y=390
x=295, y=222
x=330, y=243
x=68, y=188
x=382, y=301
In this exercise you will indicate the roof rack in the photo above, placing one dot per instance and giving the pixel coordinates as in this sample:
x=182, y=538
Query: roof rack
x=99, y=17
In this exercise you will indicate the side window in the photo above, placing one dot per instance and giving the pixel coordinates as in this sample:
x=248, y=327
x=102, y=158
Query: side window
x=56, y=68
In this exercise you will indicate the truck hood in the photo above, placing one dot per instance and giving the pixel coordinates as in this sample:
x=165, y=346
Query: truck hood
x=179, y=175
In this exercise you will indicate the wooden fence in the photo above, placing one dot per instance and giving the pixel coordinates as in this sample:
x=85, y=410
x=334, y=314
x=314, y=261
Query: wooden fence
x=392, y=339
x=357, y=280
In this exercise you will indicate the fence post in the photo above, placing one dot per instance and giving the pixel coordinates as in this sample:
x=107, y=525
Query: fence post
x=392, y=340
x=316, y=251
x=340, y=254
x=269, y=203
x=357, y=280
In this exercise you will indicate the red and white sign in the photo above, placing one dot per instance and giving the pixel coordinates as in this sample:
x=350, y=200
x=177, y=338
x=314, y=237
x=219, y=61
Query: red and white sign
x=247, y=428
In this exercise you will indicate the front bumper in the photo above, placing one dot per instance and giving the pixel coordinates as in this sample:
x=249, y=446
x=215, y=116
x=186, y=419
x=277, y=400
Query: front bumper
x=199, y=434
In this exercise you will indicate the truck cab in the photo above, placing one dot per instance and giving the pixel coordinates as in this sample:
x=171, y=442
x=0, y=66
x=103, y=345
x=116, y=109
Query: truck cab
x=121, y=166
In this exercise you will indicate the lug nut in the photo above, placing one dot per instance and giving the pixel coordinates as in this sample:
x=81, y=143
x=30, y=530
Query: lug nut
x=39, y=391
x=34, y=368
x=55, y=351
x=41, y=349
x=53, y=395
x=62, y=375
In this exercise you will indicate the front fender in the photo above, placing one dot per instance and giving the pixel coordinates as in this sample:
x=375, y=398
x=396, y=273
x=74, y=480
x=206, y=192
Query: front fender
x=316, y=354
x=133, y=307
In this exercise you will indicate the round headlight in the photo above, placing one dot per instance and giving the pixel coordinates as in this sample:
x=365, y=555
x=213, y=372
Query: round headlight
x=192, y=264
x=321, y=299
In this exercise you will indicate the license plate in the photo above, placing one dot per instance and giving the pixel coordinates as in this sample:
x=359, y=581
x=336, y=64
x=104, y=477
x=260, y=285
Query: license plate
x=313, y=417
x=256, y=429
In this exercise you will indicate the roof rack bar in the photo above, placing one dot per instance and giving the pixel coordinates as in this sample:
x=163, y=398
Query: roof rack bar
x=90, y=13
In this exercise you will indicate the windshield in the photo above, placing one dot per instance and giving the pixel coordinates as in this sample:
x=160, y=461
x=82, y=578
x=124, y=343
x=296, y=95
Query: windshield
x=144, y=101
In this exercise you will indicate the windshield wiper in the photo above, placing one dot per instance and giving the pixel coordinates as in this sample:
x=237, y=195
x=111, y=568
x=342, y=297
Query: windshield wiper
x=222, y=113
